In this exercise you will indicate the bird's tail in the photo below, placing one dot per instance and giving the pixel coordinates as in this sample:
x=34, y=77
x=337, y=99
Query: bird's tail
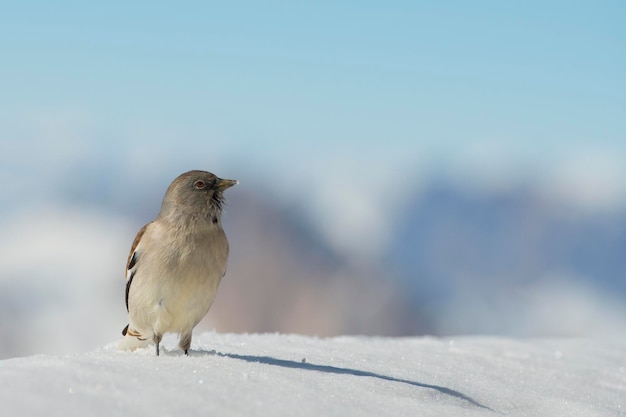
x=133, y=340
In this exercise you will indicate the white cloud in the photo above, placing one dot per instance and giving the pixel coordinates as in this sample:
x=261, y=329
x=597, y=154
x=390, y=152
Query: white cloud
x=593, y=179
x=353, y=198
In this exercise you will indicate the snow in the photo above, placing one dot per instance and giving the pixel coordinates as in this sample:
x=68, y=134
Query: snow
x=290, y=375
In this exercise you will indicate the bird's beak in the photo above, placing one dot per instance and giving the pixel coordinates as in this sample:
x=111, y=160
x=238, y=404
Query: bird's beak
x=223, y=184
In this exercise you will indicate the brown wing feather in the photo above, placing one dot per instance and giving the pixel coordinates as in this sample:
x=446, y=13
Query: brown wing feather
x=132, y=259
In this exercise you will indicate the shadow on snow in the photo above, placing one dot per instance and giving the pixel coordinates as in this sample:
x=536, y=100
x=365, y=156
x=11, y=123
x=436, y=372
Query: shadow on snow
x=268, y=360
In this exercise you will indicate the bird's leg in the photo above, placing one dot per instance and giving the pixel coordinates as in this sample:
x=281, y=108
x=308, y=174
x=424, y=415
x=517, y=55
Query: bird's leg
x=157, y=339
x=185, y=342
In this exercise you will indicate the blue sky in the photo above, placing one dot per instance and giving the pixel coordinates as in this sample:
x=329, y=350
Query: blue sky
x=371, y=93
x=441, y=74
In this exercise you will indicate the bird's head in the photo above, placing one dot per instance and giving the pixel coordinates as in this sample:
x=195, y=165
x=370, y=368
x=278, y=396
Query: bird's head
x=196, y=193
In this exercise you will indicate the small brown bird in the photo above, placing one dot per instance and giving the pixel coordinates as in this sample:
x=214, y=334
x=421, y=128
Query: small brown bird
x=177, y=262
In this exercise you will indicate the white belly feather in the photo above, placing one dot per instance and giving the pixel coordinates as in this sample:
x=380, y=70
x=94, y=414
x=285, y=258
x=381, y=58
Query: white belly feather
x=173, y=290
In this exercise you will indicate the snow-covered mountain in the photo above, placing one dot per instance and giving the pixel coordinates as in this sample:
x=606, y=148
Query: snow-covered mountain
x=515, y=261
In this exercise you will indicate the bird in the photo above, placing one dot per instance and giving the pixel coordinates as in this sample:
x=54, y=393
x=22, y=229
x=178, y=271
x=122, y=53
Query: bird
x=176, y=262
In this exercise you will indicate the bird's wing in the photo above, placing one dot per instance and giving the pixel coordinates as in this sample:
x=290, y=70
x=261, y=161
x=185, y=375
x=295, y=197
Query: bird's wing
x=131, y=263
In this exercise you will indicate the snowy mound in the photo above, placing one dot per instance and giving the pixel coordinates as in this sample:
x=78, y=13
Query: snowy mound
x=285, y=375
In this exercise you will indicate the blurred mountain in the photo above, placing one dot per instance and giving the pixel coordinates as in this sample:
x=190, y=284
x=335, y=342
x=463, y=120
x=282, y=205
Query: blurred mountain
x=517, y=261
x=455, y=245
x=284, y=277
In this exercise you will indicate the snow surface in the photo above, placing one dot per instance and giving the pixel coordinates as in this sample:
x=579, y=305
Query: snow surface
x=289, y=375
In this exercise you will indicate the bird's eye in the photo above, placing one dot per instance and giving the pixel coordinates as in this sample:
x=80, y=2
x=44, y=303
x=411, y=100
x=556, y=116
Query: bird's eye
x=199, y=184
